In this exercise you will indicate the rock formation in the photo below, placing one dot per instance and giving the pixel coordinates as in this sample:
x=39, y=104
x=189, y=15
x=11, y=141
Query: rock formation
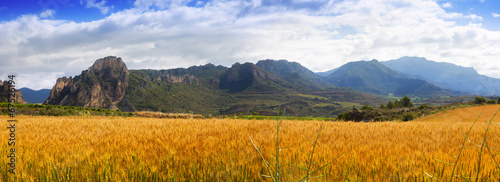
x=102, y=85
x=4, y=93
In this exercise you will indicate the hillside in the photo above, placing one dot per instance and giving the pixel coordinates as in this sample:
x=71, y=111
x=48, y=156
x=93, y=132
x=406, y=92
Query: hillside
x=447, y=75
x=373, y=77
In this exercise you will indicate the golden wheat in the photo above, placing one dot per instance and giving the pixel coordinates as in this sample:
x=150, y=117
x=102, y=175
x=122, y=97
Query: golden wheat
x=152, y=149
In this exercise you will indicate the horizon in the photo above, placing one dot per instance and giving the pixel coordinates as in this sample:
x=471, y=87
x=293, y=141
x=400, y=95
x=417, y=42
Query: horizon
x=48, y=39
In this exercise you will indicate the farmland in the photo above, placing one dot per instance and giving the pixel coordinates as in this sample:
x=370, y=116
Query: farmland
x=97, y=148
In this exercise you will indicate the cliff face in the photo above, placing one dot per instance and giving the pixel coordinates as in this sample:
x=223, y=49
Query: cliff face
x=102, y=85
x=4, y=93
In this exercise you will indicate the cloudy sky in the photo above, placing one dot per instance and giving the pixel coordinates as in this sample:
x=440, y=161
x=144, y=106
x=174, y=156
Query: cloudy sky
x=41, y=40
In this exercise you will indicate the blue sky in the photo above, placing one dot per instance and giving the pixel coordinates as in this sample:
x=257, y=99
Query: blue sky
x=46, y=39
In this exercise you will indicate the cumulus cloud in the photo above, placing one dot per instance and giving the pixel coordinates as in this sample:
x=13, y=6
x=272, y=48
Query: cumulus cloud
x=47, y=13
x=322, y=35
x=101, y=6
x=495, y=15
x=447, y=5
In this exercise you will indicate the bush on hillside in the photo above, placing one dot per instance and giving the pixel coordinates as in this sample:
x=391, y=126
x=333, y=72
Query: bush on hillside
x=479, y=100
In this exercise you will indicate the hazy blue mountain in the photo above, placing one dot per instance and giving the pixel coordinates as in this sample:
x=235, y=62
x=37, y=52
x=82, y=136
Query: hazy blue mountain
x=293, y=72
x=35, y=96
x=373, y=77
x=446, y=75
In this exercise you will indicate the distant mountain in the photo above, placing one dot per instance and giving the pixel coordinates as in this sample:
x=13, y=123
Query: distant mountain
x=294, y=73
x=447, y=75
x=373, y=77
x=35, y=96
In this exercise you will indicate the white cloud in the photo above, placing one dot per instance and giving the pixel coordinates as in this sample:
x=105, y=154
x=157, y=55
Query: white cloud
x=474, y=17
x=225, y=32
x=495, y=15
x=101, y=6
x=47, y=13
x=447, y=5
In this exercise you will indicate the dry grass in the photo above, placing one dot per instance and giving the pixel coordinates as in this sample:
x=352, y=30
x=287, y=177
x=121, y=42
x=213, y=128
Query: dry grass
x=152, y=149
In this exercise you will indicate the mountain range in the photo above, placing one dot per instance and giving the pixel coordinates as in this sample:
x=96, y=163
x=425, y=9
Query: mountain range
x=262, y=88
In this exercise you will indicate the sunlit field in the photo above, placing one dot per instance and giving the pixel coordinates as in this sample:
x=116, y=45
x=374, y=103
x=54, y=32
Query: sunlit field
x=147, y=149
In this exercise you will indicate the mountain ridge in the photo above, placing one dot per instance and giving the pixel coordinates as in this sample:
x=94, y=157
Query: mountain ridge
x=247, y=88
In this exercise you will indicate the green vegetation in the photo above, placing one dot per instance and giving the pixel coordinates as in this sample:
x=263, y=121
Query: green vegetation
x=479, y=100
x=404, y=102
x=56, y=110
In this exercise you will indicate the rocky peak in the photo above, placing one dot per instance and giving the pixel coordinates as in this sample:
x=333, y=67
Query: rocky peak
x=102, y=85
x=108, y=64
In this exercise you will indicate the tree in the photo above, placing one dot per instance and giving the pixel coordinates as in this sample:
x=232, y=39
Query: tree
x=407, y=101
x=390, y=105
x=479, y=100
x=382, y=106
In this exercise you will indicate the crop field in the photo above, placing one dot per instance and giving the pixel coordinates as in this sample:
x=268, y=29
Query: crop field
x=149, y=149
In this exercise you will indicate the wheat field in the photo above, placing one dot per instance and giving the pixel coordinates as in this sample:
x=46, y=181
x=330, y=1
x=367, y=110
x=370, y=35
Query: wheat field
x=149, y=149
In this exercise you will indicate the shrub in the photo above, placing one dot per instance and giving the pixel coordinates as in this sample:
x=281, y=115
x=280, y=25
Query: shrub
x=423, y=106
x=366, y=107
x=492, y=101
x=479, y=100
x=409, y=117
